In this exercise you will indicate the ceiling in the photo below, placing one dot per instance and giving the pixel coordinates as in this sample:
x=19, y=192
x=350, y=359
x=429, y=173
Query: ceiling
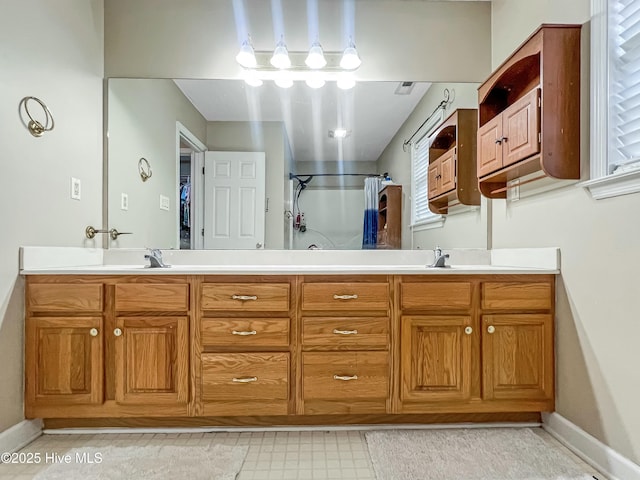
x=371, y=111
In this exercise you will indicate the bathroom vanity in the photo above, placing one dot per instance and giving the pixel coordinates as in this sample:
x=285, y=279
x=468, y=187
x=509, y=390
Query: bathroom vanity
x=288, y=344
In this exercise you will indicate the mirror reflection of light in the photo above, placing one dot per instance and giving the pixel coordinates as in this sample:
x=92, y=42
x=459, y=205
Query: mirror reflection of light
x=345, y=82
x=284, y=82
x=315, y=82
x=255, y=116
x=318, y=129
x=250, y=78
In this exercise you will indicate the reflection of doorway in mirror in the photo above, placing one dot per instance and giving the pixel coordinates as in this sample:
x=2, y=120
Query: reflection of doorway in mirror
x=184, y=186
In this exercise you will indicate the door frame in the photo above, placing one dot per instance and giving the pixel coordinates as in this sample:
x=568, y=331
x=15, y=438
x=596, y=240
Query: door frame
x=197, y=184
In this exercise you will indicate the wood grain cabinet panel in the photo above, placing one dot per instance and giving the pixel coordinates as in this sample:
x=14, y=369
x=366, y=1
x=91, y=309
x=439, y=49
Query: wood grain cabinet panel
x=520, y=128
x=157, y=297
x=518, y=357
x=245, y=383
x=245, y=332
x=245, y=296
x=64, y=361
x=436, y=358
x=152, y=360
x=345, y=296
x=60, y=297
x=345, y=333
x=490, y=147
x=345, y=382
x=417, y=295
x=517, y=295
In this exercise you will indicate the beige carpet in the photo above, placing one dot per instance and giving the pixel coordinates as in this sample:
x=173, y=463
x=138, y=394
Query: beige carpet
x=217, y=462
x=469, y=454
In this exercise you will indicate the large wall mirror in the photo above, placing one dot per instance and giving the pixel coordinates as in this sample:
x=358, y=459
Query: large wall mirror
x=250, y=141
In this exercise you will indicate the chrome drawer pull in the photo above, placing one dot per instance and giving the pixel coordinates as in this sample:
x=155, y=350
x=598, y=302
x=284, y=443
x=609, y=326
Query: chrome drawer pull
x=345, y=378
x=244, y=334
x=243, y=298
x=245, y=379
x=345, y=297
x=345, y=332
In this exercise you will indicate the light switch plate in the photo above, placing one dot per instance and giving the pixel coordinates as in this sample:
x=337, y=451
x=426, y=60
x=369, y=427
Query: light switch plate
x=164, y=203
x=513, y=190
x=124, y=201
x=76, y=188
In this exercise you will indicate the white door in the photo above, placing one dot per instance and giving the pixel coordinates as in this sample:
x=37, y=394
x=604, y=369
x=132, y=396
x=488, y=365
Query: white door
x=234, y=201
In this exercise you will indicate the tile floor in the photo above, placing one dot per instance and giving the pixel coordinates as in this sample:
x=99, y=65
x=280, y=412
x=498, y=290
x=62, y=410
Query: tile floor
x=272, y=455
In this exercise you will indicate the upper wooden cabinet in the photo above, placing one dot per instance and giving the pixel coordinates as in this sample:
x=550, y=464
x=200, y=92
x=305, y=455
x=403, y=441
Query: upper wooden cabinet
x=451, y=175
x=529, y=113
x=390, y=217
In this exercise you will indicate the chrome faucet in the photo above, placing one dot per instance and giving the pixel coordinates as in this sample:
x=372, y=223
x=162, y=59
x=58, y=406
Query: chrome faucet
x=155, y=258
x=439, y=258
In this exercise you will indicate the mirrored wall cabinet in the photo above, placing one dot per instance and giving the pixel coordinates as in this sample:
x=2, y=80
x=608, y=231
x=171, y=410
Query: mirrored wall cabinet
x=529, y=113
x=452, y=162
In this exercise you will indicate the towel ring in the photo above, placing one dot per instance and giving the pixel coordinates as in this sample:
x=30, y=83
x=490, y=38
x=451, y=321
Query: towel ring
x=34, y=126
x=144, y=169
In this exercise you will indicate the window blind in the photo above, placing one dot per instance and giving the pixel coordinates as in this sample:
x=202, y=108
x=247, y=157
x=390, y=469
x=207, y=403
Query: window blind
x=421, y=210
x=624, y=84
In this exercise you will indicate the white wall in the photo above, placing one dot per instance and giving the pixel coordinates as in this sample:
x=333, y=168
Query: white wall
x=397, y=40
x=464, y=230
x=268, y=137
x=597, y=353
x=51, y=50
x=142, y=123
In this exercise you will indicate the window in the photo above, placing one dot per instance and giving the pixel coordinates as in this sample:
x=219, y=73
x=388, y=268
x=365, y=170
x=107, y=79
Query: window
x=615, y=98
x=420, y=213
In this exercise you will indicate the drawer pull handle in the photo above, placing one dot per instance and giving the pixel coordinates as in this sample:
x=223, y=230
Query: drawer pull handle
x=345, y=332
x=345, y=378
x=244, y=334
x=345, y=297
x=244, y=298
x=245, y=379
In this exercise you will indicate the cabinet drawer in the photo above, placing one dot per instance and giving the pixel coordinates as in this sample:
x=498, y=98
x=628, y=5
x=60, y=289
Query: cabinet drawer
x=435, y=295
x=241, y=332
x=64, y=297
x=345, y=296
x=347, y=376
x=517, y=295
x=152, y=297
x=245, y=377
x=345, y=333
x=245, y=296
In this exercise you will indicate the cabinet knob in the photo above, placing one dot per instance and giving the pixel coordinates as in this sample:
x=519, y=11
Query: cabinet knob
x=468, y=330
x=93, y=332
x=498, y=141
x=117, y=332
x=491, y=329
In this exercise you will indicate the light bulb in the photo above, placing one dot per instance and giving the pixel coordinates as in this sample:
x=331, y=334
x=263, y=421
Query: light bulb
x=315, y=82
x=280, y=57
x=345, y=82
x=284, y=82
x=315, y=59
x=252, y=80
x=246, y=56
x=350, y=58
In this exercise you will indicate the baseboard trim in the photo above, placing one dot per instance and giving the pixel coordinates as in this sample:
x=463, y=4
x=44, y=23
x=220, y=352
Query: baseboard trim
x=601, y=457
x=19, y=435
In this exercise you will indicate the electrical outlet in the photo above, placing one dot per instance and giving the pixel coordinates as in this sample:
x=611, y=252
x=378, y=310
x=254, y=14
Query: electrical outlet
x=76, y=188
x=164, y=203
x=124, y=201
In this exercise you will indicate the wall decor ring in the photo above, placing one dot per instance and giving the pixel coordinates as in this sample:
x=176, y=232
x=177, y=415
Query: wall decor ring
x=144, y=168
x=35, y=127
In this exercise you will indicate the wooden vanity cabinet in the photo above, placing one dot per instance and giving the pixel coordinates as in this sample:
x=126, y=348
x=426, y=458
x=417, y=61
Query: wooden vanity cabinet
x=529, y=113
x=451, y=174
x=345, y=367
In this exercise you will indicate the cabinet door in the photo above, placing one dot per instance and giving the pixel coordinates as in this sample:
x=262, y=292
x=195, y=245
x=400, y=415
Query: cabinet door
x=64, y=360
x=436, y=358
x=152, y=358
x=489, y=146
x=433, y=179
x=520, y=128
x=448, y=171
x=517, y=357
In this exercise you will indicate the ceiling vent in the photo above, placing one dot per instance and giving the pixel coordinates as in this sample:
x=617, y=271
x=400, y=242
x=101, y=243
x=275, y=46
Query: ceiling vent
x=404, y=88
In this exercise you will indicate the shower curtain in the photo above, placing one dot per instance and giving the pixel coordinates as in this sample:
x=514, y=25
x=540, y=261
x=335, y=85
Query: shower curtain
x=370, y=232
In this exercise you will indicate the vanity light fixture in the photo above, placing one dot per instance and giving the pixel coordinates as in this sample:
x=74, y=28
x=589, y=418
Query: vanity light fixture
x=246, y=56
x=315, y=59
x=251, y=79
x=284, y=82
x=350, y=58
x=280, y=58
x=315, y=81
x=345, y=82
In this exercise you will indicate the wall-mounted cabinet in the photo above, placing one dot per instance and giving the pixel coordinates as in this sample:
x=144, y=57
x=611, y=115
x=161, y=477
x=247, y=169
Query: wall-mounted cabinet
x=451, y=175
x=529, y=113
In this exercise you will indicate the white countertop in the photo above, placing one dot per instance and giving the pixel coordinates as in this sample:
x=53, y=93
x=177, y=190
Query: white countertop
x=78, y=261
